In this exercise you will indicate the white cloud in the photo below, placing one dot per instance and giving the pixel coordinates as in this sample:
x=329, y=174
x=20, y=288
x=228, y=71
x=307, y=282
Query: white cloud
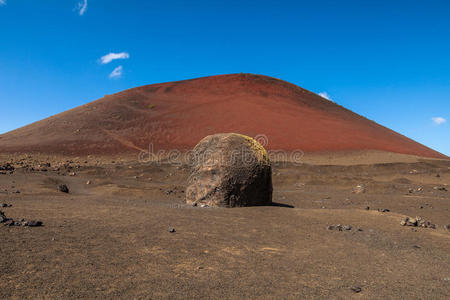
x=81, y=7
x=438, y=120
x=112, y=56
x=2, y=2
x=325, y=95
x=117, y=72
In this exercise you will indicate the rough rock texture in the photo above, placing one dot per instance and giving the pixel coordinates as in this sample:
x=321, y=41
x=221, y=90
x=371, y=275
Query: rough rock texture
x=228, y=170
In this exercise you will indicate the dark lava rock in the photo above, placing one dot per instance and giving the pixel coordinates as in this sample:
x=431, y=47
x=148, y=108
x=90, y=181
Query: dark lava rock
x=367, y=208
x=63, y=188
x=9, y=222
x=339, y=227
x=32, y=223
x=384, y=210
x=171, y=229
x=347, y=227
x=7, y=167
x=3, y=217
x=356, y=289
x=229, y=170
x=440, y=188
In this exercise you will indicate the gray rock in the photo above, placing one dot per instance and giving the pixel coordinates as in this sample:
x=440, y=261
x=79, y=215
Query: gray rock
x=63, y=188
x=32, y=223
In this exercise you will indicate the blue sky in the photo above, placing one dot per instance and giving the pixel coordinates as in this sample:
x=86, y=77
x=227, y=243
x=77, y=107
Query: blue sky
x=386, y=60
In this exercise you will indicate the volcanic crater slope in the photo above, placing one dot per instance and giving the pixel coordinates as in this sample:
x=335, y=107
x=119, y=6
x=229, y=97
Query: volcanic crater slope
x=176, y=115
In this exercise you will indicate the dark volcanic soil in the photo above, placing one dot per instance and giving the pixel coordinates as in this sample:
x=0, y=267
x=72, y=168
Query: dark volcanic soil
x=111, y=238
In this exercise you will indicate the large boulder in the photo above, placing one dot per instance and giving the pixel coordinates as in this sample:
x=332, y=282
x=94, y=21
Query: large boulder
x=229, y=170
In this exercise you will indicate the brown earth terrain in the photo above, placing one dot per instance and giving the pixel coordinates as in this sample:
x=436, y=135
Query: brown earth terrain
x=110, y=238
x=176, y=115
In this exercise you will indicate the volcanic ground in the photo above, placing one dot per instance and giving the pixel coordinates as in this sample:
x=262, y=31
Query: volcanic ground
x=109, y=236
x=123, y=230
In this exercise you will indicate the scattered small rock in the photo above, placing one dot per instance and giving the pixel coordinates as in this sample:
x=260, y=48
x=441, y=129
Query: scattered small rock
x=367, y=208
x=299, y=185
x=10, y=222
x=6, y=205
x=32, y=223
x=447, y=227
x=204, y=205
x=359, y=189
x=356, y=289
x=7, y=167
x=339, y=227
x=171, y=229
x=440, y=188
x=194, y=204
x=63, y=188
x=3, y=217
x=88, y=182
x=438, y=176
x=417, y=222
x=384, y=210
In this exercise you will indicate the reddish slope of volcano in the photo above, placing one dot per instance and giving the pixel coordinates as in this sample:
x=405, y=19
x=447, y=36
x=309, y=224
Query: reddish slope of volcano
x=177, y=115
